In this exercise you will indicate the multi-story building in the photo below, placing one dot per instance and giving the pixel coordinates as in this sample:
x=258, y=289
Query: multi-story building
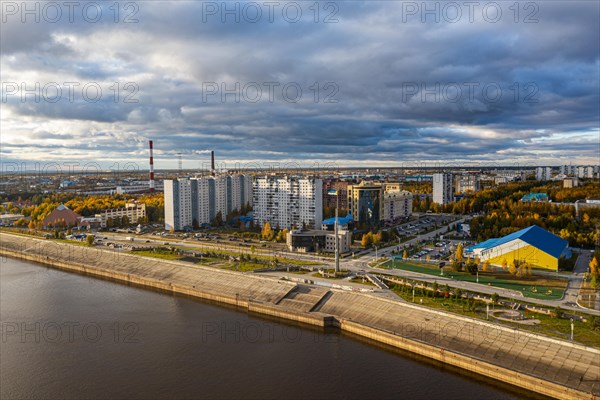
x=342, y=194
x=178, y=204
x=397, y=204
x=442, y=188
x=570, y=182
x=288, y=202
x=133, y=210
x=543, y=173
x=373, y=203
x=466, y=182
x=192, y=202
x=568, y=169
x=365, y=202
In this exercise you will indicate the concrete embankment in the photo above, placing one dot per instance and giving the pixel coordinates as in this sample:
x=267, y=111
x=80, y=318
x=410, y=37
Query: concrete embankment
x=552, y=367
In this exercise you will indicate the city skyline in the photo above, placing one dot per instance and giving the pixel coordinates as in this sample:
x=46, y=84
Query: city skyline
x=379, y=86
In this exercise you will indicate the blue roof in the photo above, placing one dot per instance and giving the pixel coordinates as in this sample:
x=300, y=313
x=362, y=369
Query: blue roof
x=483, y=245
x=533, y=235
x=341, y=220
x=535, y=196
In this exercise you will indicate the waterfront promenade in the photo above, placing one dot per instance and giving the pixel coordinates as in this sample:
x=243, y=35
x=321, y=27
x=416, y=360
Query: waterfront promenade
x=546, y=365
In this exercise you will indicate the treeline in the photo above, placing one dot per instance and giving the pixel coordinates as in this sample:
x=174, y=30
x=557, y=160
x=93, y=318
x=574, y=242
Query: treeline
x=88, y=206
x=510, y=216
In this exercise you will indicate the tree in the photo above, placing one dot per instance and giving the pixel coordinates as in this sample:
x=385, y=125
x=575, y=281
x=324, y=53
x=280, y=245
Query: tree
x=366, y=240
x=594, y=273
x=472, y=267
x=218, y=220
x=376, y=239
x=512, y=269
x=267, y=232
x=405, y=254
x=486, y=266
x=495, y=298
x=459, y=253
x=504, y=264
x=31, y=225
x=89, y=239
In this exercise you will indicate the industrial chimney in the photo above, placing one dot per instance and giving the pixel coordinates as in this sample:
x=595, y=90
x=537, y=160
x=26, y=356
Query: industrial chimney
x=212, y=162
x=151, y=167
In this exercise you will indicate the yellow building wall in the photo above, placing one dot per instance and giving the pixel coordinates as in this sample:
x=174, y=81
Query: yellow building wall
x=530, y=254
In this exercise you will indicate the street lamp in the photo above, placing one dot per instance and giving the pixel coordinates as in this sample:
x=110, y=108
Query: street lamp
x=572, y=328
x=337, y=239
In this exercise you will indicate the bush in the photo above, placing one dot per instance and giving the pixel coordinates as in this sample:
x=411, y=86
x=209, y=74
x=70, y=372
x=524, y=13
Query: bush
x=558, y=312
x=472, y=267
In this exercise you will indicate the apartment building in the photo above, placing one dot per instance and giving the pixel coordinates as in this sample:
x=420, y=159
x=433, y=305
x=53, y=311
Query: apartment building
x=195, y=201
x=443, y=188
x=287, y=202
x=466, y=183
x=133, y=210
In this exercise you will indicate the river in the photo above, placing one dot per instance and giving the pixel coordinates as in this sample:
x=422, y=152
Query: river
x=71, y=336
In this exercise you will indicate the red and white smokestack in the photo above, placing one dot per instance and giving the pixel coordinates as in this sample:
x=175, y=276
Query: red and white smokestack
x=151, y=166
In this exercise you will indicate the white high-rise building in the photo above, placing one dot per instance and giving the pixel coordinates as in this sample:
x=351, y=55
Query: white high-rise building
x=543, y=173
x=178, y=204
x=287, y=202
x=442, y=188
x=195, y=201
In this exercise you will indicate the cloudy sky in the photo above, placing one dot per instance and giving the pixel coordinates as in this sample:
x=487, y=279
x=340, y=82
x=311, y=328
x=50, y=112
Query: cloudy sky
x=352, y=83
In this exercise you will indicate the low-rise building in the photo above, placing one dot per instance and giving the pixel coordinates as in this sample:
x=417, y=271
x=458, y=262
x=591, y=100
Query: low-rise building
x=311, y=241
x=535, y=197
x=533, y=245
x=9, y=219
x=133, y=210
x=570, y=182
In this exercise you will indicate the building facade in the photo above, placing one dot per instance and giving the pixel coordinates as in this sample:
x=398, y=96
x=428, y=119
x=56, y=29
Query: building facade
x=397, y=204
x=191, y=202
x=133, y=210
x=466, y=183
x=309, y=241
x=178, y=204
x=365, y=202
x=288, y=202
x=443, y=188
x=342, y=197
x=543, y=173
x=373, y=203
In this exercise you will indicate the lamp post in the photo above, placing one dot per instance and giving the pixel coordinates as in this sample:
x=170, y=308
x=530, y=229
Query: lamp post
x=413, y=287
x=572, y=328
x=335, y=228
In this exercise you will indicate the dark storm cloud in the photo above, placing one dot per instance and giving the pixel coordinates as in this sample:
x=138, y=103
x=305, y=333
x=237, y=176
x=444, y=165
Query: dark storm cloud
x=403, y=88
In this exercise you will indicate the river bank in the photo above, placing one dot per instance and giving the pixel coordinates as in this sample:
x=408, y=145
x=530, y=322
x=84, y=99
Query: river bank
x=544, y=365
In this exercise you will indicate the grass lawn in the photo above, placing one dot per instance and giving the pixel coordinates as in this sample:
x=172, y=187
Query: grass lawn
x=165, y=255
x=536, y=287
x=258, y=256
x=364, y=281
x=549, y=326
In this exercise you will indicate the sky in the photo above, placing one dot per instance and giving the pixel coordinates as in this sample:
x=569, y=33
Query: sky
x=352, y=83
